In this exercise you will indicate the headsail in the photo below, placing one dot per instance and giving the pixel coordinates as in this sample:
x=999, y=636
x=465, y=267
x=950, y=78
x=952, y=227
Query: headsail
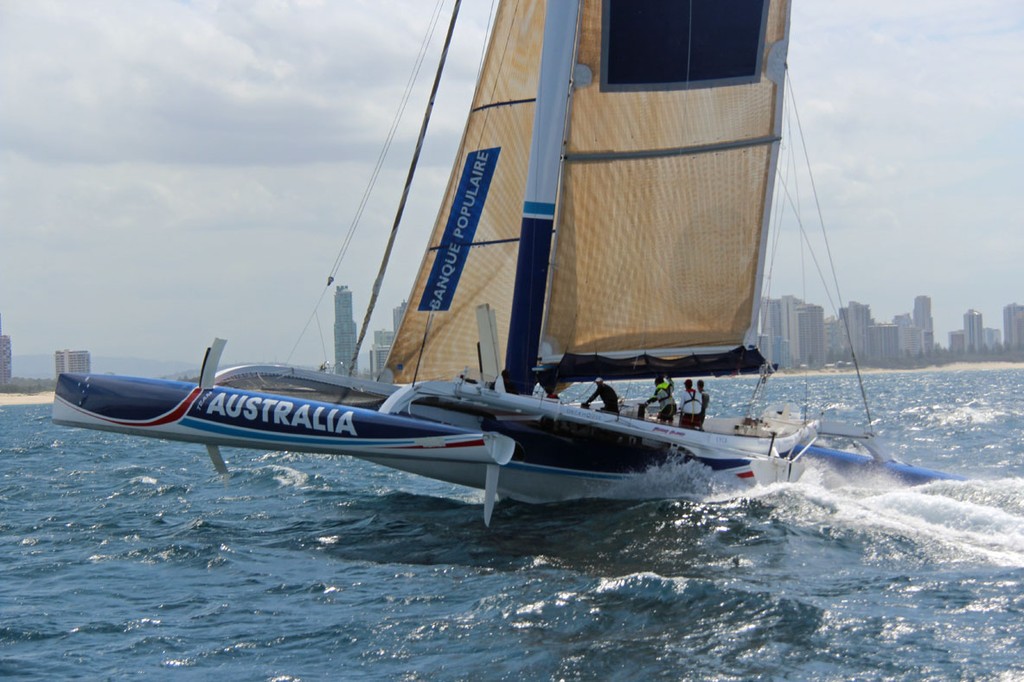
x=667, y=186
x=472, y=253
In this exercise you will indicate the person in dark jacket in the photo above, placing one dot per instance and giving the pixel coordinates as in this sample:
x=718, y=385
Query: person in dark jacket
x=607, y=395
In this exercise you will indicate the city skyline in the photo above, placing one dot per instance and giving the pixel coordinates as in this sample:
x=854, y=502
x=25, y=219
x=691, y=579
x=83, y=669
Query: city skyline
x=191, y=170
x=797, y=333
x=811, y=328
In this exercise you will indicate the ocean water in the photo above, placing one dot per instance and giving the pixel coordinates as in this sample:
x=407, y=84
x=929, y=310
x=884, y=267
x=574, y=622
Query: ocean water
x=124, y=557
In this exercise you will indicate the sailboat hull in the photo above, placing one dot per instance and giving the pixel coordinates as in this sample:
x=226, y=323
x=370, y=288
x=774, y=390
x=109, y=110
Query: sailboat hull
x=546, y=451
x=544, y=455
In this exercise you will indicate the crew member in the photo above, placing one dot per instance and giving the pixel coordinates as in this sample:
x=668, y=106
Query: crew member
x=663, y=396
x=705, y=400
x=607, y=395
x=690, y=411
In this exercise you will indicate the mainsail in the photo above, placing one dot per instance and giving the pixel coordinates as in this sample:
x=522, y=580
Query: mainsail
x=671, y=127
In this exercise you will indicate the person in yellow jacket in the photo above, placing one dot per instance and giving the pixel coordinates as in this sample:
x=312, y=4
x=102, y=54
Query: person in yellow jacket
x=663, y=396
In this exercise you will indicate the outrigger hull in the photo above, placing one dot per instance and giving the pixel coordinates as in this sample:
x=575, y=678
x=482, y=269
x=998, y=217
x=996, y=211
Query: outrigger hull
x=224, y=416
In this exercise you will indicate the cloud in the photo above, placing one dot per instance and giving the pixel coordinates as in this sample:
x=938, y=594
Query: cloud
x=170, y=171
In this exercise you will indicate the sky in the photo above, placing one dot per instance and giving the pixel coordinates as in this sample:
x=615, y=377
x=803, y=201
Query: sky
x=175, y=171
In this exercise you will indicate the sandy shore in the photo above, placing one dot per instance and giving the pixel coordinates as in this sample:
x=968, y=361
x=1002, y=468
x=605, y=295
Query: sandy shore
x=26, y=398
x=47, y=396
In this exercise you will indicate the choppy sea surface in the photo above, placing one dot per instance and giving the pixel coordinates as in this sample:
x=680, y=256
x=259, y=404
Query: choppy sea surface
x=124, y=557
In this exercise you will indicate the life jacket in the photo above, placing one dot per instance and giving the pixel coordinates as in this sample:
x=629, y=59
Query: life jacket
x=663, y=392
x=691, y=401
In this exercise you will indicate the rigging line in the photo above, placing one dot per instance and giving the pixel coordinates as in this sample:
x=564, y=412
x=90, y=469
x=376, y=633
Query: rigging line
x=805, y=239
x=689, y=42
x=779, y=208
x=373, y=177
x=828, y=250
x=487, y=32
x=406, y=95
x=408, y=183
x=323, y=346
x=423, y=346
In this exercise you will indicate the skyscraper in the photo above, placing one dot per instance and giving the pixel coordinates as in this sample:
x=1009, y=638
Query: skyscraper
x=5, y=357
x=858, y=318
x=344, y=332
x=398, y=313
x=773, y=344
x=911, y=337
x=810, y=324
x=382, y=340
x=1013, y=326
x=923, y=321
x=884, y=341
x=974, y=332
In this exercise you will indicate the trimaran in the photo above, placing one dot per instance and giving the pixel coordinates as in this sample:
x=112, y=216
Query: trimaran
x=607, y=216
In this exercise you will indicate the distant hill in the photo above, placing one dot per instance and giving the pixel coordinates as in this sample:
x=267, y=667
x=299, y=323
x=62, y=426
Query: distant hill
x=41, y=367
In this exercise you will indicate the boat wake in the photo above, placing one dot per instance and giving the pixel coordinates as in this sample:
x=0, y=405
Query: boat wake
x=942, y=522
x=676, y=479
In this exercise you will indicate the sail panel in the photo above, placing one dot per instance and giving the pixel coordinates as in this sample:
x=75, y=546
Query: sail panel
x=667, y=265
x=664, y=202
x=500, y=123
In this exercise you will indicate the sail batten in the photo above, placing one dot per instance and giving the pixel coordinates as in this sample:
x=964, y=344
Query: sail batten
x=512, y=103
x=682, y=151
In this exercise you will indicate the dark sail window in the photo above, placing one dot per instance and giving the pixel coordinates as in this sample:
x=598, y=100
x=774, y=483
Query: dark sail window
x=677, y=44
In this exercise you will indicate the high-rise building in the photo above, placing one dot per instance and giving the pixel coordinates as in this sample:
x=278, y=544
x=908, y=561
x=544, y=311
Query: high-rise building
x=5, y=357
x=398, y=313
x=382, y=340
x=344, y=333
x=884, y=341
x=1013, y=326
x=810, y=324
x=771, y=340
x=779, y=340
x=974, y=331
x=77, y=361
x=911, y=337
x=858, y=318
x=923, y=321
x=956, y=341
x=835, y=338
x=993, y=338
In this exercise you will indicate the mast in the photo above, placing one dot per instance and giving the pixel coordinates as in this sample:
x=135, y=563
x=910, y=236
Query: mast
x=560, y=26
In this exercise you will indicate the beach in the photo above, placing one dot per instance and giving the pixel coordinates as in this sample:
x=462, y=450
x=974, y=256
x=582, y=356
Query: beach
x=26, y=398
x=47, y=396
